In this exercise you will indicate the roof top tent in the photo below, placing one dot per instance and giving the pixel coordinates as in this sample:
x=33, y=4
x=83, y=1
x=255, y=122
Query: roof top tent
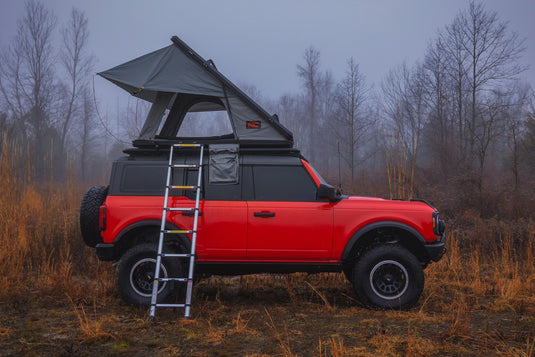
x=179, y=81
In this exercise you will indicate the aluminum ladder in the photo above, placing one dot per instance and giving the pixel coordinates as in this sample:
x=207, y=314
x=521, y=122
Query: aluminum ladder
x=163, y=232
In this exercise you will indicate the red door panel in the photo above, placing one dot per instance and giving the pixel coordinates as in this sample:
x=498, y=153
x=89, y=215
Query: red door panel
x=221, y=231
x=294, y=231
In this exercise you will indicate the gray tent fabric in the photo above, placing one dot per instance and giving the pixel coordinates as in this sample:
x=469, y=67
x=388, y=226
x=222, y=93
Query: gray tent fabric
x=177, y=78
x=223, y=164
x=246, y=123
x=165, y=70
x=155, y=115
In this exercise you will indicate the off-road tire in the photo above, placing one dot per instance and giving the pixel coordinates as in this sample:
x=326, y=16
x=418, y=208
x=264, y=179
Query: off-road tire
x=388, y=277
x=89, y=214
x=135, y=276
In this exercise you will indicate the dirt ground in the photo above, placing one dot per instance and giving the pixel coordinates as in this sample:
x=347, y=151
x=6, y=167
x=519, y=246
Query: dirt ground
x=295, y=315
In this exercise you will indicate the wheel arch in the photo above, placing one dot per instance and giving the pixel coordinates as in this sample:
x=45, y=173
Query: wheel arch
x=385, y=232
x=147, y=231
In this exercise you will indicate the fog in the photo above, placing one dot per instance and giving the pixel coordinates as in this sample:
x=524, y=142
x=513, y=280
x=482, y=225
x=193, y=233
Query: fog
x=390, y=89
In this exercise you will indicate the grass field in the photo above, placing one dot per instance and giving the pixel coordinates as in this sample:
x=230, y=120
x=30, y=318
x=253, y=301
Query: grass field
x=58, y=299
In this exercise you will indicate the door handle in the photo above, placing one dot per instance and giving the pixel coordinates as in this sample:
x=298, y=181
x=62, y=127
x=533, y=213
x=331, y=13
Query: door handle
x=188, y=213
x=264, y=214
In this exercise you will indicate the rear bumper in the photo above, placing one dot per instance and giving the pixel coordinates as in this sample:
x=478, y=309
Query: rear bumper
x=436, y=250
x=106, y=251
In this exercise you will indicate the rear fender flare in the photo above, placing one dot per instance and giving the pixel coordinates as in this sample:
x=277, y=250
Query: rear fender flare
x=146, y=224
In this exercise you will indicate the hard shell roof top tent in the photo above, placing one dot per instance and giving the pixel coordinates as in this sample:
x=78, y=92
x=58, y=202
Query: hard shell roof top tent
x=177, y=78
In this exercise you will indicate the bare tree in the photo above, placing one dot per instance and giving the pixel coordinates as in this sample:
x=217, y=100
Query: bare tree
x=27, y=82
x=527, y=141
x=492, y=56
x=289, y=111
x=86, y=131
x=28, y=70
x=350, y=123
x=438, y=99
x=515, y=113
x=456, y=58
x=11, y=89
x=34, y=40
x=312, y=79
x=310, y=74
x=77, y=64
x=404, y=106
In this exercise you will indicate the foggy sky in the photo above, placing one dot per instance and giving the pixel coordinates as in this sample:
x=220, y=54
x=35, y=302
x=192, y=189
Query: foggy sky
x=260, y=42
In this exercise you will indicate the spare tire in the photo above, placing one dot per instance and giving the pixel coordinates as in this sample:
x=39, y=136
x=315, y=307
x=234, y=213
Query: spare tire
x=89, y=214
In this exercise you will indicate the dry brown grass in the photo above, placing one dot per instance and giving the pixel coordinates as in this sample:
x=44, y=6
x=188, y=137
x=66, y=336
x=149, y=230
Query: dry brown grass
x=40, y=241
x=92, y=327
x=479, y=299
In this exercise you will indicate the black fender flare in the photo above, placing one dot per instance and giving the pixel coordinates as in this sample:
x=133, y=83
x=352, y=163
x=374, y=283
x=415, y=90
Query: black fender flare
x=375, y=225
x=146, y=223
x=113, y=251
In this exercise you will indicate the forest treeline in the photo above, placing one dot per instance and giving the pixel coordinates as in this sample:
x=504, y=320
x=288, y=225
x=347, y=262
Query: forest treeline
x=457, y=127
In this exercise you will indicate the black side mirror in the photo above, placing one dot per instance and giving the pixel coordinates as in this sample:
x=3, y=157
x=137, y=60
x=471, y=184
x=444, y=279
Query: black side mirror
x=327, y=192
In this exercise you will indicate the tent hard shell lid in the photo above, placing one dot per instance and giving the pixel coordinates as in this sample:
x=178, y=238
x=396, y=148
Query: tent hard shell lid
x=177, y=78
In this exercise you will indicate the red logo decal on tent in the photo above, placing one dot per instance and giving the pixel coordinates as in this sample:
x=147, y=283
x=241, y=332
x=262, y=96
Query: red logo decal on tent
x=253, y=124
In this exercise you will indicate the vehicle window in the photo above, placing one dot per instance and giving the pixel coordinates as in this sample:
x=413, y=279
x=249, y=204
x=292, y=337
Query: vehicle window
x=141, y=179
x=222, y=191
x=318, y=174
x=148, y=180
x=283, y=183
x=213, y=192
x=191, y=180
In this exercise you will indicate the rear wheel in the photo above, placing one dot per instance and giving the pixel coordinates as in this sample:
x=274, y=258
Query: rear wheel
x=388, y=277
x=135, y=276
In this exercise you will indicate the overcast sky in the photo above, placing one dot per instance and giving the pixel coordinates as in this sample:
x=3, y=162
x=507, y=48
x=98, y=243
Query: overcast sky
x=260, y=42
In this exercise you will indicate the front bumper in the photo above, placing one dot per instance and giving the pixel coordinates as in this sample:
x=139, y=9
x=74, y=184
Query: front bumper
x=106, y=251
x=436, y=249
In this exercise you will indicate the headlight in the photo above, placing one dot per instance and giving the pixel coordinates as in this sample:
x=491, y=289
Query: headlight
x=439, y=226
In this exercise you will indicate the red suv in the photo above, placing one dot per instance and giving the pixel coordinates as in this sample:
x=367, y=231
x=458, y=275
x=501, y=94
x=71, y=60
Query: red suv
x=278, y=216
x=263, y=208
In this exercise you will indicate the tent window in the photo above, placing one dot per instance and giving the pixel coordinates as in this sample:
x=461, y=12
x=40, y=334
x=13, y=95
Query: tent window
x=204, y=124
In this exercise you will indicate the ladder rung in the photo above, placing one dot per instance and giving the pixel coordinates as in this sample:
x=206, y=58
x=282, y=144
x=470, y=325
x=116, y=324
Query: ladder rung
x=186, y=145
x=183, y=280
x=183, y=187
x=179, y=209
x=185, y=166
x=176, y=231
x=170, y=305
x=176, y=255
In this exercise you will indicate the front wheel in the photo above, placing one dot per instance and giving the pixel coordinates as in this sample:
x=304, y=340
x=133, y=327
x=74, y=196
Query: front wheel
x=388, y=277
x=135, y=276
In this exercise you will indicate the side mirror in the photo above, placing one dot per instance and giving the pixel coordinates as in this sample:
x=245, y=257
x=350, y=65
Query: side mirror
x=327, y=192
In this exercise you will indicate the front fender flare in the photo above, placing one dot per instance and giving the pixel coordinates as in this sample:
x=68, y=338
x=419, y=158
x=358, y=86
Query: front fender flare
x=372, y=226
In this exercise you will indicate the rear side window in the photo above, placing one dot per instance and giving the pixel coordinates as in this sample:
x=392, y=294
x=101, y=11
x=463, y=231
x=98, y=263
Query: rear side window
x=143, y=179
x=283, y=183
x=148, y=180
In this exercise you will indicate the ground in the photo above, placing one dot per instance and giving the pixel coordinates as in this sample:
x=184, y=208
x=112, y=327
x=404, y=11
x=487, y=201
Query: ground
x=268, y=315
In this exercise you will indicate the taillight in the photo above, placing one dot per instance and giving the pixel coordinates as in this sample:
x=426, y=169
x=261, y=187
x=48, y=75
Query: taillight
x=102, y=218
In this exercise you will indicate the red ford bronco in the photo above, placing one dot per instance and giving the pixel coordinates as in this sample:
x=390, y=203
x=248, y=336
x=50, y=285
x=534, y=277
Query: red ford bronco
x=263, y=207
